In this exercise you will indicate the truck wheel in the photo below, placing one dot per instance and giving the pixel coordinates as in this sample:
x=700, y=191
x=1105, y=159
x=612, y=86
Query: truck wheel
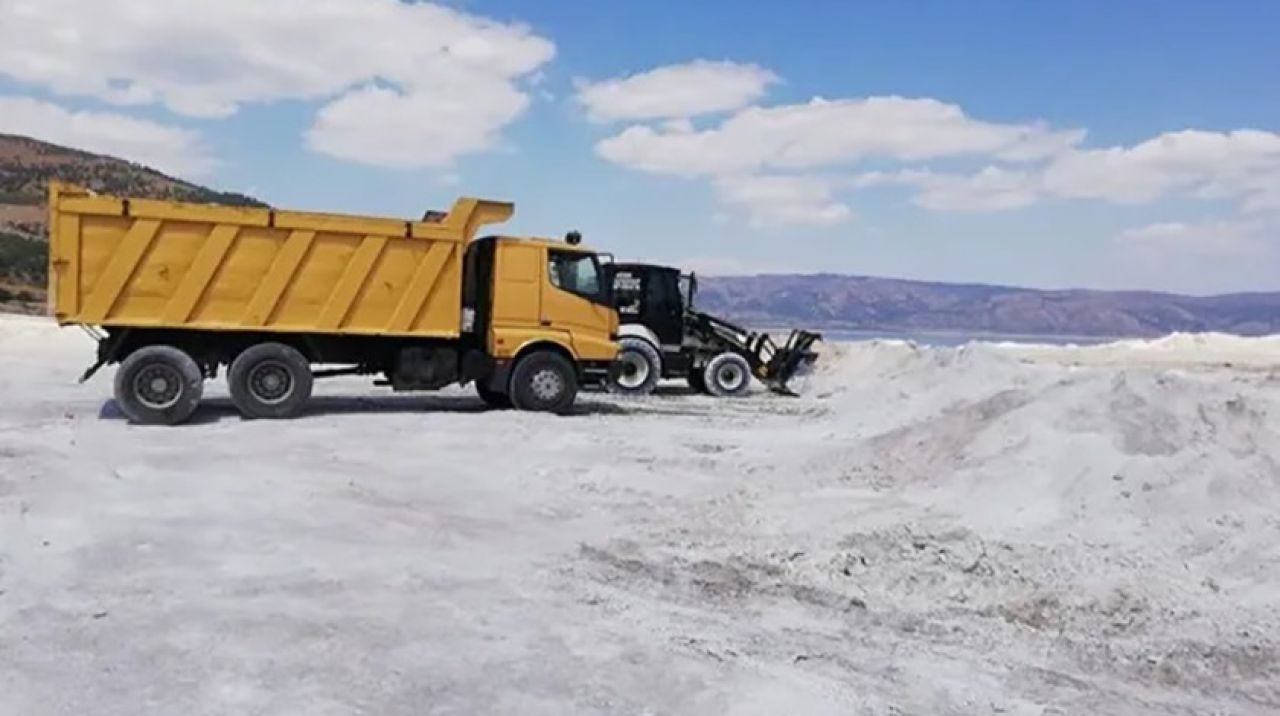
x=697, y=379
x=637, y=368
x=492, y=398
x=544, y=381
x=270, y=380
x=728, y=375
x=158, y=385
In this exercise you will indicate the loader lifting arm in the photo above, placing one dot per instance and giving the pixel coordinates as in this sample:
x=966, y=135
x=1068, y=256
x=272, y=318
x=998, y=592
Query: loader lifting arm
x=772, y=364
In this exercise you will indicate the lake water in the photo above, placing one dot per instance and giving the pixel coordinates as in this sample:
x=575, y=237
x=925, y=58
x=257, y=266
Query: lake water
x=959, y=338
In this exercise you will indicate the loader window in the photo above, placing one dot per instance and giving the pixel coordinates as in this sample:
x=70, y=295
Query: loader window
x=577, y=273
x=626, y=293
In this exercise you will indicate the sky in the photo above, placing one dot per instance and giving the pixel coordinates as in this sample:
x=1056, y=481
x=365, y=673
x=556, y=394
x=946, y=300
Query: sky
x=1084, y=144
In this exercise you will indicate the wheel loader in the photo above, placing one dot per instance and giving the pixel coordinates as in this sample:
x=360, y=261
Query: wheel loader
x=662, y=336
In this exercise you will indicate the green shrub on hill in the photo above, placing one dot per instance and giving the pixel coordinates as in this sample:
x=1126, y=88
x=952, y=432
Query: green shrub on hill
x=23, y=260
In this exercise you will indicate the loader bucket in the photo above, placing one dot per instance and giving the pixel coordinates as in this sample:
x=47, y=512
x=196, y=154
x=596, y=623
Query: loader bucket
x=780, y=364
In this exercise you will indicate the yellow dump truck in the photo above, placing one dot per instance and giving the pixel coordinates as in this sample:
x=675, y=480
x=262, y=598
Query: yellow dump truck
x=174, y=291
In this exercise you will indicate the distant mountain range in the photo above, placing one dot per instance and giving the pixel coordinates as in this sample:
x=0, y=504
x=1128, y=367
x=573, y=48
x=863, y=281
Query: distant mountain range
x=823, y=301
x=881, y=304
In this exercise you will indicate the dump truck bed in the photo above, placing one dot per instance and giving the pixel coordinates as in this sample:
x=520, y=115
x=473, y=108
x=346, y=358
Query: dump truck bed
x=132, y=262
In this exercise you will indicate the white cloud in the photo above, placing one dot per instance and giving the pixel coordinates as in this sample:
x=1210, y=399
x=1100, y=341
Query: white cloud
x=1242, y=165
x=1218, y=238
x=172, y=150
x=387, y=128
x=825, y=133
x=771, y=201
x=686, y=90
x=208, y=59
x=1026, y=162
x=992, y=189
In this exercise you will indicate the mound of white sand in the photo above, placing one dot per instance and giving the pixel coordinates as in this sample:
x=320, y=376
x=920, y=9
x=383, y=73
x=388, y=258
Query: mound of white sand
x=985, y=529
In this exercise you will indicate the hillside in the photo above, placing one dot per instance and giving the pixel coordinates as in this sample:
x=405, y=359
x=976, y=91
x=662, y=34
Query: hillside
x=864, y=303
x=26, y=167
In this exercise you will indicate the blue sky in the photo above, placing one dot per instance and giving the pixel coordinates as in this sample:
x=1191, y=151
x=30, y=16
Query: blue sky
x=1096, y=144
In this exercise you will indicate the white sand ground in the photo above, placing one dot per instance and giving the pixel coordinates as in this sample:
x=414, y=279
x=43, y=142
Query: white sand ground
x=991, y=529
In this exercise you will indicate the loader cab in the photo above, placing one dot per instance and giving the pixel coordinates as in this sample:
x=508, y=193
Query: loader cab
x=652, y=296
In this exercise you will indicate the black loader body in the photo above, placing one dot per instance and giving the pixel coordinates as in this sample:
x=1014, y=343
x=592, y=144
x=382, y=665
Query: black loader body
x=664, y=336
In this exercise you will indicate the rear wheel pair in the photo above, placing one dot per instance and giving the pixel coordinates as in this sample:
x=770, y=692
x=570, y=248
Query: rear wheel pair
x=270, y=380
x=163, y=385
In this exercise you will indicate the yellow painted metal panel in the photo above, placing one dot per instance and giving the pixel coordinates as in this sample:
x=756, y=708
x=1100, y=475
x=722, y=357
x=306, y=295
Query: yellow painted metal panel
x=100, y=205
x=430, y=265
x=335, y=223
x=119, y=269
x=239, y=277
x=517, y=290
x=320, y=272
x=278, y=278
x=353, y=279
x=122, y=261
x=64, y=265
x=509, y=341
x=210, y=213
x=198, y=276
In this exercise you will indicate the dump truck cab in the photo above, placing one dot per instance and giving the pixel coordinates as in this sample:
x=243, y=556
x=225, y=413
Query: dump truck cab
x=524, y=294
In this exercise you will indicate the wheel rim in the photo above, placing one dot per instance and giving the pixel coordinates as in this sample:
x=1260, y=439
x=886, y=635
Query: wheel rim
x=730, y=376
x=158, y=386
x=271, y=382
x=634, y=370
x=547, y=385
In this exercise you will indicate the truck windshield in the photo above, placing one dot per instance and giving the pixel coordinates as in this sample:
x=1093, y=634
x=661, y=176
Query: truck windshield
x=577, y=273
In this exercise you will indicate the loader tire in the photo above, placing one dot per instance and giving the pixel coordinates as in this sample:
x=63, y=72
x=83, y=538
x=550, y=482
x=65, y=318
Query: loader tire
x=270, y=381
x=728, y=375
x=158, y=385
x=637, y=368
x=544, y=381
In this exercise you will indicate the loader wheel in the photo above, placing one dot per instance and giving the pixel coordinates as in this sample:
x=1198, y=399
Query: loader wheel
x=637, y=368
x=728, y=375
x=545, y=382
x=270, y=380
x=492, y=398
x=158, y=385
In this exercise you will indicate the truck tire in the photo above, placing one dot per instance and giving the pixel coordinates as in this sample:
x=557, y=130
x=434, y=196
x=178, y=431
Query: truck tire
x=158, y=385
x=544, y=381
x=492, y=398
x=728, y=375
x=270, y=380
x=637, y=368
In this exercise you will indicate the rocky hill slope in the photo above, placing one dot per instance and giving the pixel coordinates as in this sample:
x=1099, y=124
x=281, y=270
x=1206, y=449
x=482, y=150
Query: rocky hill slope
x=26, y=167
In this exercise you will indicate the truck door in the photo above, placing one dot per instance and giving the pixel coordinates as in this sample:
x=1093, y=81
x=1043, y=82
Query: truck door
x=576, y=299
x=517, y=288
